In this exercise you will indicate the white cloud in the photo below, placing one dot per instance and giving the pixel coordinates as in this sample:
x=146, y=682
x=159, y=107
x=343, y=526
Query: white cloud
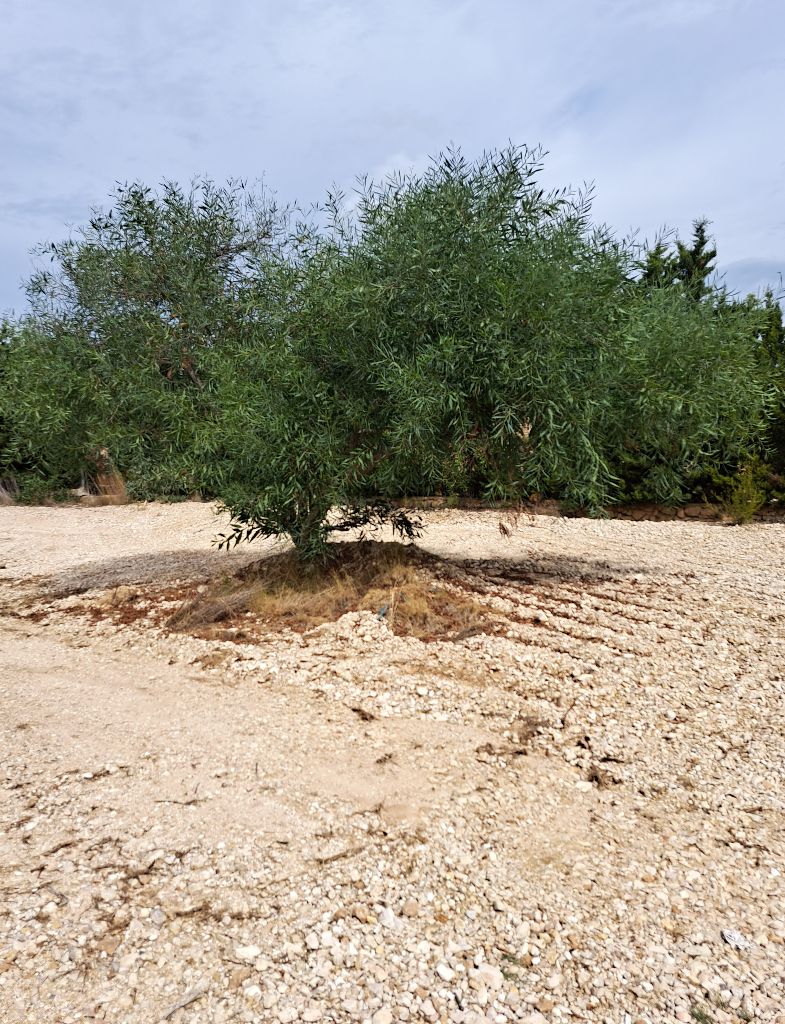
x=754, y=275
x=673, y=107
x=675, y=13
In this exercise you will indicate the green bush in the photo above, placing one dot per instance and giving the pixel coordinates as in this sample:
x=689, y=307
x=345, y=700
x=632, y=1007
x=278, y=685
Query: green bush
x=747, y=494
x=46, y=408
x=448, y=338
x=286, y=454
x=469, y=311
x=461, y=332
x=688, y=395
x=111, y=353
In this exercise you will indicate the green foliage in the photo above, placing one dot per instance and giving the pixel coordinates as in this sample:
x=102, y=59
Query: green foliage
x=695, y=263
x=450, y=337
x=475, y=309
x=46, y=406
x=688, y=393
x=658, y=269
x=285, y=454
x=763, y=319
x=749, y=368
x=462, y=332
x=771, y=330
x=747, y=494
x=110, y=356
x=771, y=335
x=8, y=336
x=691, y=266
x=63, y=400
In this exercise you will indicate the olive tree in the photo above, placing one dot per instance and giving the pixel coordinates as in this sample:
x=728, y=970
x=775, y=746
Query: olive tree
x=123, y=313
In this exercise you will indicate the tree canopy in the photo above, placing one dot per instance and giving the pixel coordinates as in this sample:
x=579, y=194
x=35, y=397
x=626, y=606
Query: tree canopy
x=461, y=331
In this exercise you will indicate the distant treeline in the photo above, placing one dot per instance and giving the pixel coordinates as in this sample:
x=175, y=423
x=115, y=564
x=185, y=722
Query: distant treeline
x=462, y=332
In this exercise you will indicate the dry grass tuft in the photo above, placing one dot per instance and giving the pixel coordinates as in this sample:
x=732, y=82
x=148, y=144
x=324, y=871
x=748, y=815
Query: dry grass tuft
x=397, y=582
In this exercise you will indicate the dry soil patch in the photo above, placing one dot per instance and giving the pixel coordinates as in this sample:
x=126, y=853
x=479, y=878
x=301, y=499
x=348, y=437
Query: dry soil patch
x=568, y=820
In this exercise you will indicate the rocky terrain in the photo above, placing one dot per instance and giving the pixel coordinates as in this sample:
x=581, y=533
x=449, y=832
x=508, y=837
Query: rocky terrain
x=578, y=818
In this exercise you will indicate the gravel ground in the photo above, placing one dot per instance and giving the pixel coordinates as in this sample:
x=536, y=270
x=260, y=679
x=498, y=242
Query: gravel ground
x=578, y=819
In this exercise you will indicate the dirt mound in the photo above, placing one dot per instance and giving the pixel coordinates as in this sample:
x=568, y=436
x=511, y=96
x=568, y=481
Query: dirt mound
x=400, y=584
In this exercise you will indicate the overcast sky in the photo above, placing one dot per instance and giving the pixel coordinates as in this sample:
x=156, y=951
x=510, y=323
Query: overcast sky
x=674, y=108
